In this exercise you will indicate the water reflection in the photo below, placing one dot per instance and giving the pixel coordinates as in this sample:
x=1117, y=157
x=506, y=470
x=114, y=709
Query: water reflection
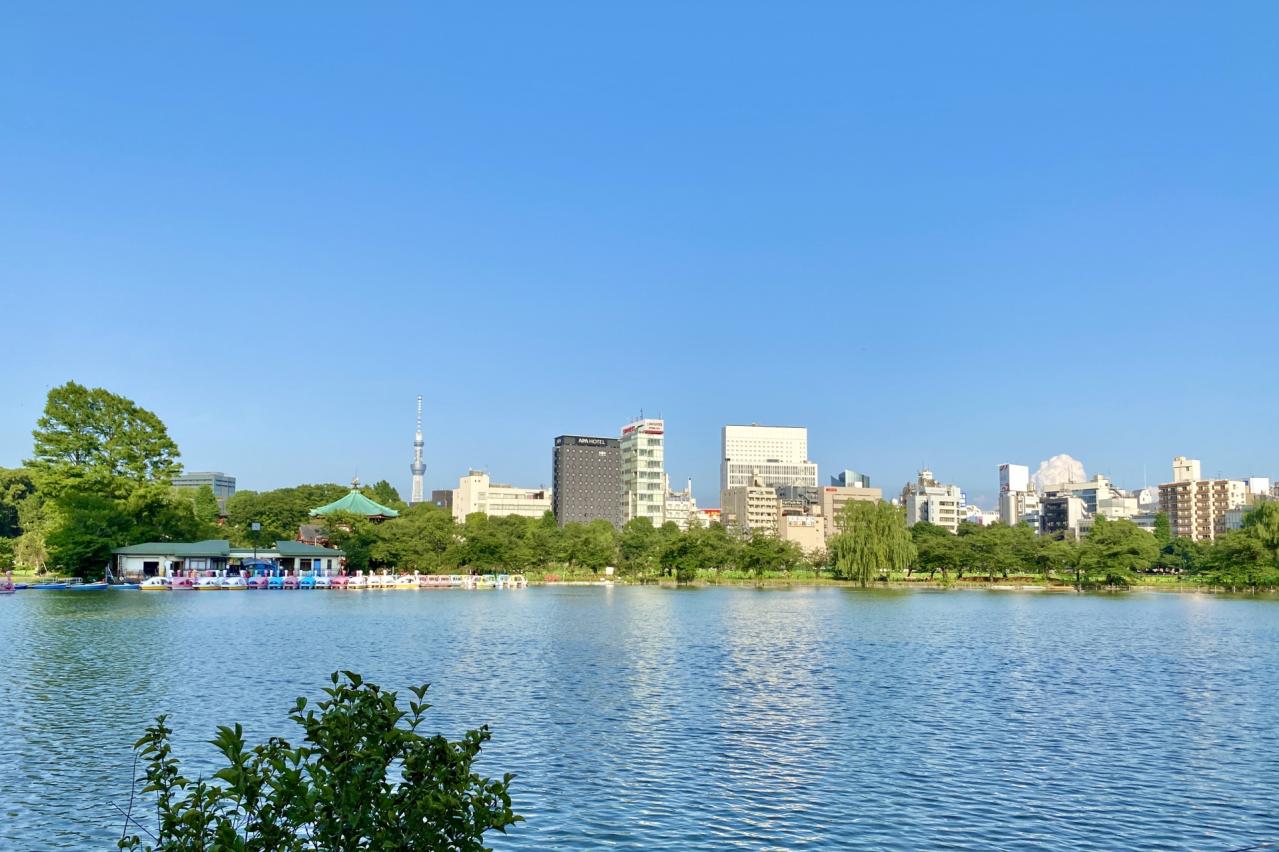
x=646, y=718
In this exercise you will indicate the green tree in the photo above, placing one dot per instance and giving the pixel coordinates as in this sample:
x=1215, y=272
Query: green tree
x=84, y=529
x=31, y=550
x=592, y=545
x=90, y=437
x=1262, y=524
x=418, y=540
x=481, y=545
x=686, y=556
x=639, y=547
x=1241, y=560
x=355, y=535
x=280, y=512
x=1113, y=552
x=936, y=549
x=385, y=493
x=1163, y=529
x=874, y=539
x=16, y=485
x=1183, y=556
x=205, y=506
x=545, y=541
x=364, y=777
x=764, y=554
x=1055, y=556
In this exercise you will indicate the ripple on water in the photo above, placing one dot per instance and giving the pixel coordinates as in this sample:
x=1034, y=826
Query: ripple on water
x=642, y=718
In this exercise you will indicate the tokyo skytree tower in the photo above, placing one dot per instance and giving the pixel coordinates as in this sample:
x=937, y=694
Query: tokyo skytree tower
x=418, y=467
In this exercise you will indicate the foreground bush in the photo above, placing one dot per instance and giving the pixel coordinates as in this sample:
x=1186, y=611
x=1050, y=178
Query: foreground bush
x=364, y=778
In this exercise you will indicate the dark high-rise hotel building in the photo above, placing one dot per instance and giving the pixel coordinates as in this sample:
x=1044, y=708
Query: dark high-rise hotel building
x=588, y=480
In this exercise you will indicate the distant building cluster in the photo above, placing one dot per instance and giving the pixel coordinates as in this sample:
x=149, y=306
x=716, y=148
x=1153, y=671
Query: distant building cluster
x=769, y=486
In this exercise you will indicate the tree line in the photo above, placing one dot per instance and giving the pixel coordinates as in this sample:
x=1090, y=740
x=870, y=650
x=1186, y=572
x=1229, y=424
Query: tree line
x=101, y=471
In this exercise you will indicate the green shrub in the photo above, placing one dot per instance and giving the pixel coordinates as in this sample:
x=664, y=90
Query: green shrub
x=364, y=778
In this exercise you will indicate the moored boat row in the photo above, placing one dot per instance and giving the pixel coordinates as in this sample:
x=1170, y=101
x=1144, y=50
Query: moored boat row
x=309, y=582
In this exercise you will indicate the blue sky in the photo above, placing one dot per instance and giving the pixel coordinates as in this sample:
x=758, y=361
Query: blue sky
x=945, y=233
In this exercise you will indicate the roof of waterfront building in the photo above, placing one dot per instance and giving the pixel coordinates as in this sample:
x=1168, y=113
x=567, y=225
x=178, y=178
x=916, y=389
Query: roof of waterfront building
x=220, y=547
x=209, y=547
x=357, y=504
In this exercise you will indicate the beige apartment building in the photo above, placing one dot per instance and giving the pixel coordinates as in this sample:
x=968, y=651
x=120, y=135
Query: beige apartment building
x=807, y=531
x=1197, y=508
x=752, y=507
x=476, y=493
x=835, y=497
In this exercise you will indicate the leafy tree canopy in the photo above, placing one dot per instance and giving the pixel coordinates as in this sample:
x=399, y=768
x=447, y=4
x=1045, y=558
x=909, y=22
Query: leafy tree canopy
x=95, y=435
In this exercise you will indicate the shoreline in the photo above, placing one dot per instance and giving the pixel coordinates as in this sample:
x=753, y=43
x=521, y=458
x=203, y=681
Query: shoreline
x=926, y=585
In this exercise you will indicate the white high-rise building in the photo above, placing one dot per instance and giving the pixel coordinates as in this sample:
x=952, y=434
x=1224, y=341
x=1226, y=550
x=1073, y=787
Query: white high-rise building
x=775, y=455
x=1013, y=477
x=926, y=499
x=643, y=476
x=681, y=508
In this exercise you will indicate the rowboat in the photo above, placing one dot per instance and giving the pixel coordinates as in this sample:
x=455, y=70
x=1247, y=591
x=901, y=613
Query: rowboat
x=100, y=586
x=59, y=586
x=156, y=584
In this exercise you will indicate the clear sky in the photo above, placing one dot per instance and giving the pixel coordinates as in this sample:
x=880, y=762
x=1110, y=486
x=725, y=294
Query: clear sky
x=951, y=234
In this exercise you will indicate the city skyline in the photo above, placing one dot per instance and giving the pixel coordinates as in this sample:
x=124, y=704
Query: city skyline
x=999, y=234
x=986, y=494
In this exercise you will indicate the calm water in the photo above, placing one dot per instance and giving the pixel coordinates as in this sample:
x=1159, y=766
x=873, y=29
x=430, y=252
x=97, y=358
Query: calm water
x=643, y=718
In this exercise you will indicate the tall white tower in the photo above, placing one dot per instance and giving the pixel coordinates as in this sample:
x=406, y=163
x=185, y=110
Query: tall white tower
x=418, y=467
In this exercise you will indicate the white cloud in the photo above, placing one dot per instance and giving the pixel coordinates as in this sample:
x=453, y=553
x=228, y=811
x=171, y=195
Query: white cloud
x=1056, y=471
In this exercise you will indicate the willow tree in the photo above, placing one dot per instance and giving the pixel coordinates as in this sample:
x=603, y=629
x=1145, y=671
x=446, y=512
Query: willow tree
x=873, y=538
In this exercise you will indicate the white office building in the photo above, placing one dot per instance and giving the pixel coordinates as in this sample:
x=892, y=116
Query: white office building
x=681, y=508
x=476, y=493
x=643, y=476
x=1018, y=500
x=775, y=455
x=926, y=499
x=1014, y=477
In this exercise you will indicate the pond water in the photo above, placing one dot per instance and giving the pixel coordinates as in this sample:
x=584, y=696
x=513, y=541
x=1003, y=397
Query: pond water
x=722, y=718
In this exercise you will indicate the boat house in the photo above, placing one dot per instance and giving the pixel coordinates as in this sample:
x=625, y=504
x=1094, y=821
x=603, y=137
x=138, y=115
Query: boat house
x=174, y=558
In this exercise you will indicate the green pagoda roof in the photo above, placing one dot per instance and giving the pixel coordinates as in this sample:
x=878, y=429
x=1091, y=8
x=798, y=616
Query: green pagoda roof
x=357, y=504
